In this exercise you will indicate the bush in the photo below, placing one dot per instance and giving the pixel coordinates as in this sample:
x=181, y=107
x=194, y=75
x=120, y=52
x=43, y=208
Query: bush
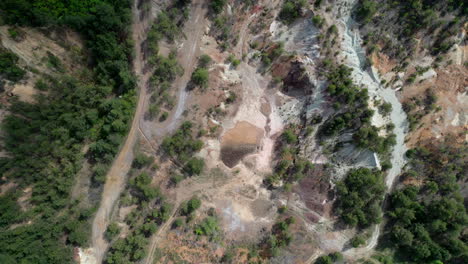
x=204, y=61
x=318, y=21
x=166, y=69
x=141, y=160
x=181, y=145
x=324, y=260
x=357, y=241
x=163, y=116
x=233, y=60
x=385, y=108
x=200, y=77
x=41, y=85
x=208, y=227
x=190, y=206
x=289, y=136
x=194, y=166
x=143, y=188
x=99, y=172
x=176, y=179
x=179, y=222
x=291, y=10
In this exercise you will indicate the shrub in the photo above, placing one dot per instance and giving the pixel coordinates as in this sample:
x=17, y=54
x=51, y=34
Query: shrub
x=200, y=77
x=204, y=61
x=175, y=179
x=41, y=85
x=233, y=60
x=357, y=241
x=163, y=116
x=208, y=227
x=385, y=108
x=318, y=21
x=324, y=260
x=291, y=10
x=99, y=172
x=141, y=160
x=179, y=222
x=190, y=206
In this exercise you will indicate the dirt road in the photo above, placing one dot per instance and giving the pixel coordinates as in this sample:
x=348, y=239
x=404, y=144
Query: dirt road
x=115, y=180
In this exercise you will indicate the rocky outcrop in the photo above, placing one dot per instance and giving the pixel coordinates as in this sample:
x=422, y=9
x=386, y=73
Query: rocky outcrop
x=297, y=81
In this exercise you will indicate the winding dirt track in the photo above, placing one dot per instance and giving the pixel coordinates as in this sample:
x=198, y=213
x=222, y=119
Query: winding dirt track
x=116, y=176
x=115, y=180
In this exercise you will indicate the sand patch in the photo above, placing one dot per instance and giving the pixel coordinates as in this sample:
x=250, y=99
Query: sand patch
x=25, y=92
x=239, y=141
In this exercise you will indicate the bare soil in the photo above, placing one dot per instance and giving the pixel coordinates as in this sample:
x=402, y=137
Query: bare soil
x=240, y=141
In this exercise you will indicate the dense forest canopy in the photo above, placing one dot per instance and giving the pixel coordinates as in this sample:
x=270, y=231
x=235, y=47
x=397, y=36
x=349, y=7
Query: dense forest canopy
x=45, y=139
x=427, y=221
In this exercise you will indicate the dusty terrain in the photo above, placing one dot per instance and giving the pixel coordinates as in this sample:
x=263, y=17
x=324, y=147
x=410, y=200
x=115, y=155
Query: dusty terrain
x=241, y=137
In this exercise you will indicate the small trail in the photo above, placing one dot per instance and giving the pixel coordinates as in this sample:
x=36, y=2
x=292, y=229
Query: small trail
x=158, y=236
